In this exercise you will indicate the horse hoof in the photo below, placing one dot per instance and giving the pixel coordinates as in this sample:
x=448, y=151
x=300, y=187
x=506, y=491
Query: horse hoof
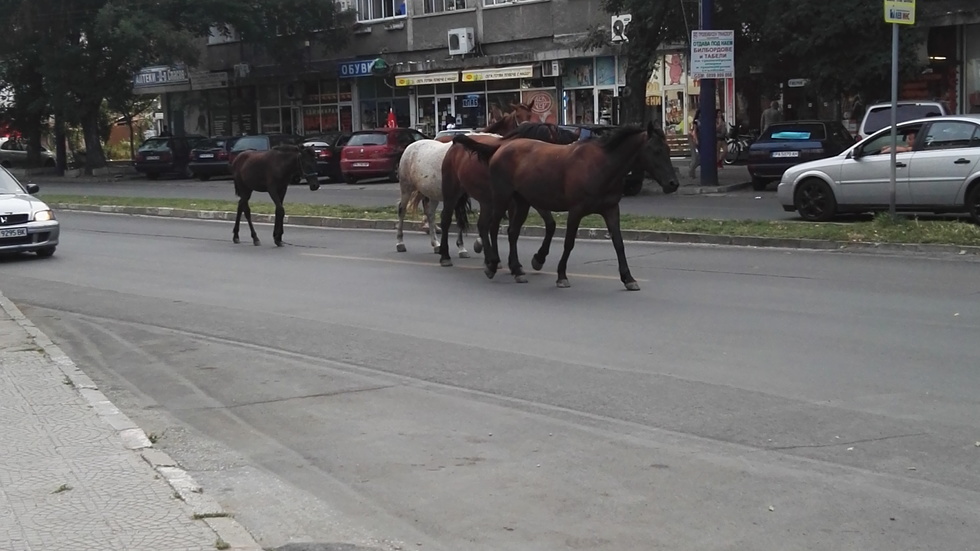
x=256, y=242
x=235, y=240
x=563, y=284
x=489, y=272
x=478, y=246
x=520, y=278
x=435, y=249
x=536, y=264
x=401, y=248
x=632, y=286
x=279, y=243
x=464, y=254
x=445, y=262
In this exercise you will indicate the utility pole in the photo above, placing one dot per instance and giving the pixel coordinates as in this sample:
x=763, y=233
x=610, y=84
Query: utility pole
x=708, y=140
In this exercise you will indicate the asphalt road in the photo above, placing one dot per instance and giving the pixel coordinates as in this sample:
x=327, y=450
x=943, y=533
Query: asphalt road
x=737, y=205
x=335, y=391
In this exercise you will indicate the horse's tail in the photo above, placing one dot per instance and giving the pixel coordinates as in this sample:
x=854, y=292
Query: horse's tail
x=414, y=200
x=483, y=151
x=463, y=209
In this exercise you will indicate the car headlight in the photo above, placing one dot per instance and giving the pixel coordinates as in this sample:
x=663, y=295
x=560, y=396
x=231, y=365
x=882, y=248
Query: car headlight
x=43, y=216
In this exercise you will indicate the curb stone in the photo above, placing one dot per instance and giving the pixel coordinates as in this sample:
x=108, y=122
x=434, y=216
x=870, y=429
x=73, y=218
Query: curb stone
x=538, y=231
x=228, y=529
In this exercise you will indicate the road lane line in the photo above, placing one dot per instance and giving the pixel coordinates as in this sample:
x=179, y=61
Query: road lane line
x=432, y=264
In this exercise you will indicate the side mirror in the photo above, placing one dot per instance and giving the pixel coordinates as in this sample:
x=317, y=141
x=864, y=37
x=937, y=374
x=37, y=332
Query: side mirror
x=856, y=154
x=33, y=188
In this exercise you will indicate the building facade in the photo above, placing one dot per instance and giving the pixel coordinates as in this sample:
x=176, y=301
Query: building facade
x=430, y=62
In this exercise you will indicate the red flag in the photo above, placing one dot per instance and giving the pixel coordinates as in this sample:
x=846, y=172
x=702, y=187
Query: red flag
x=392, y=122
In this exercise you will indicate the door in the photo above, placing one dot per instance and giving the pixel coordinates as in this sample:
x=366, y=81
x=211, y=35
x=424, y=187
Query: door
x=866, y=180
x=950, y=151
x=445, y=113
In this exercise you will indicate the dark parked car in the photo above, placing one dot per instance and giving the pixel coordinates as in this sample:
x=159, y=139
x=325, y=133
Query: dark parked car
x=328, y=148
x=262, y=142
x=376, y=153
x=634, y=178
x=786, y=144
x=210, y=157
x=166, y=155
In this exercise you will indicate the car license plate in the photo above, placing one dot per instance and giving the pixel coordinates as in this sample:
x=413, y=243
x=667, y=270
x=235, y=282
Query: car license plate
x=777, y=154
x=361, y=165
x=13, y=232
x=206, y=155
x=153, y=158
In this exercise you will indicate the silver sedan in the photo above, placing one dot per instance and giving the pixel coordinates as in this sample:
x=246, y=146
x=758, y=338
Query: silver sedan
x=937, y=170
x=26, y=222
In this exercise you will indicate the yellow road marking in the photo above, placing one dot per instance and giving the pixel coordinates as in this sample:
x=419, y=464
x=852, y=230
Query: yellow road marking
x=436, y=264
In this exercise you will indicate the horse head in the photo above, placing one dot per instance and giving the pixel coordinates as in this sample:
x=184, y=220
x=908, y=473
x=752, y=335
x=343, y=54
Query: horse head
x=307, y=166
x=521, y=112
x=655, y=159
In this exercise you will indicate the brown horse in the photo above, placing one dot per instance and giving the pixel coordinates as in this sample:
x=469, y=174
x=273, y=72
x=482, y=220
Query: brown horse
x=464, y=176
x=271, y=171
x=584, y=178
x=521, y=112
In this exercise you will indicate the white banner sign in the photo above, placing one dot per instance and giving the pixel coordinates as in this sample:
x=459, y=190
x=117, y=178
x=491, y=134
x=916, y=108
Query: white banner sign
x=712, y=54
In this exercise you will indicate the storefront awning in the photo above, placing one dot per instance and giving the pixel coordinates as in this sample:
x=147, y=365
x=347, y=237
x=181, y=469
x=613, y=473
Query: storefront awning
x=499, y=73
x=426, y=78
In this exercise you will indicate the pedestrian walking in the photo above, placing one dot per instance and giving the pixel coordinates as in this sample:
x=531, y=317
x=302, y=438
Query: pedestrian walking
x=770, y=115
x=693, y=138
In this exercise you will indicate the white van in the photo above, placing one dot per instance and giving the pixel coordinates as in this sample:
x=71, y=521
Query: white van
x=879, y=115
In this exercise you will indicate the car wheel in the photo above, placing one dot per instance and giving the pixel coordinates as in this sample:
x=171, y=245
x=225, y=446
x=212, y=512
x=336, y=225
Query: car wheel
x=632, y=187
x=152, y=175
x=973, y=203
x=815, y=201
x=204, y=177
x=350, y=180
x=759, y=184
x=45, y=252
x=394, y=173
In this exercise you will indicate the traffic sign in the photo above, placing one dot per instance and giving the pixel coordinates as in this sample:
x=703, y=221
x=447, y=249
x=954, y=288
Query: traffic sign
x=900, y=12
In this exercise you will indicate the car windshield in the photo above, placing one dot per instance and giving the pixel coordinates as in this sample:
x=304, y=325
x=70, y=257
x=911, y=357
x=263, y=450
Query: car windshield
x=214, y=143
x=794, y=132
x=9, y=184
x=328, y=139
x=880, y=117
x=369, y=138
x=155, y=145
x=251, y=142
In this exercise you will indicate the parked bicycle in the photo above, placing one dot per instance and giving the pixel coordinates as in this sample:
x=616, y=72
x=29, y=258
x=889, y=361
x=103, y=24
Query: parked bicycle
x=738, y=144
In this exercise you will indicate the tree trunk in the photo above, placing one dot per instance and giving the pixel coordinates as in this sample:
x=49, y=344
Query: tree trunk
x=34, y=146
x=132, y=146
x=634, y=101
x=60, y=149
x=94, y=154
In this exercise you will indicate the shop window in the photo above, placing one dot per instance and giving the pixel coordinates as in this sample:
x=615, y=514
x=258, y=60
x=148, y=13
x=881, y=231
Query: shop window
x=344, y=90
x=269, y=95
x=503, y=2
x=972, y=57
x=371, y=10
x=438, y=6
x=366, y=88
x=269, y=121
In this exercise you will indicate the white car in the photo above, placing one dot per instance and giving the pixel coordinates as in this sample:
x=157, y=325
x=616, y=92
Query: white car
x=937, y=165
x=26, y=223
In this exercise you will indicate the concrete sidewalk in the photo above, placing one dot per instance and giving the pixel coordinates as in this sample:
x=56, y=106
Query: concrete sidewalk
x=76, y=474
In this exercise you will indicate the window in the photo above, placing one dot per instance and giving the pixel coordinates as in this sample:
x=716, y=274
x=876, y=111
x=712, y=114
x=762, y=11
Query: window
x=794, y=132
x=437, y=6
x=502, y=2
x=222, y=34
x=949, y=135
x=371, y=10
x=369, y=138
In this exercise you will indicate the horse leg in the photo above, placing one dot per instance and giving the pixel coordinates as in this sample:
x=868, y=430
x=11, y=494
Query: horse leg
x=517, y=217
x=483, y=224
x=430, y=217
x=611, y=216
x=571, y=229
x=243, y=197
x=399, y=227
x=460, y=245
x=537, y=261
x=445, y=222
x=280, y=214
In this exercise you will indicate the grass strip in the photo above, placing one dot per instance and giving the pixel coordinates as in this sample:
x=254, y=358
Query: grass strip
x=881, y=229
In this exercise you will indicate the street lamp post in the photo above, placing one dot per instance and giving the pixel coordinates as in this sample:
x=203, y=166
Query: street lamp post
x=708, y=140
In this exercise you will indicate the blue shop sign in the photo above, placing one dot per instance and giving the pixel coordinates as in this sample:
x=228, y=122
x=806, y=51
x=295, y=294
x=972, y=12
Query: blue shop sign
x=362, y=68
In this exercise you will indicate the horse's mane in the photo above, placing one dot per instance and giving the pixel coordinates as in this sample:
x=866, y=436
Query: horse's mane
x=542, y=131
x=614, y=139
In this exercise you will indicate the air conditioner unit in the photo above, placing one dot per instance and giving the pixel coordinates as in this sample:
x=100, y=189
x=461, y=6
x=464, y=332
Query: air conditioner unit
x=550, y=68
x=461, y=41
x=618, y=27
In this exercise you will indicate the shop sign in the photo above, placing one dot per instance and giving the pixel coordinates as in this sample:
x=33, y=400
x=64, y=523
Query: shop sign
x=713, y=54
x=362, y=68
x=501, y=73
x=423, y=79
x=160, y=76
x=901, y=12
x=209, y=81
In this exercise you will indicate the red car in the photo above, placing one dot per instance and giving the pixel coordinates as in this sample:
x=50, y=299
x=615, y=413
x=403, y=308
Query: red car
x=375, y=153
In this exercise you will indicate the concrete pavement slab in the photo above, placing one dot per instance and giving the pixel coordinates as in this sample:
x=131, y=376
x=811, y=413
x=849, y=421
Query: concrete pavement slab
x=71, y=473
